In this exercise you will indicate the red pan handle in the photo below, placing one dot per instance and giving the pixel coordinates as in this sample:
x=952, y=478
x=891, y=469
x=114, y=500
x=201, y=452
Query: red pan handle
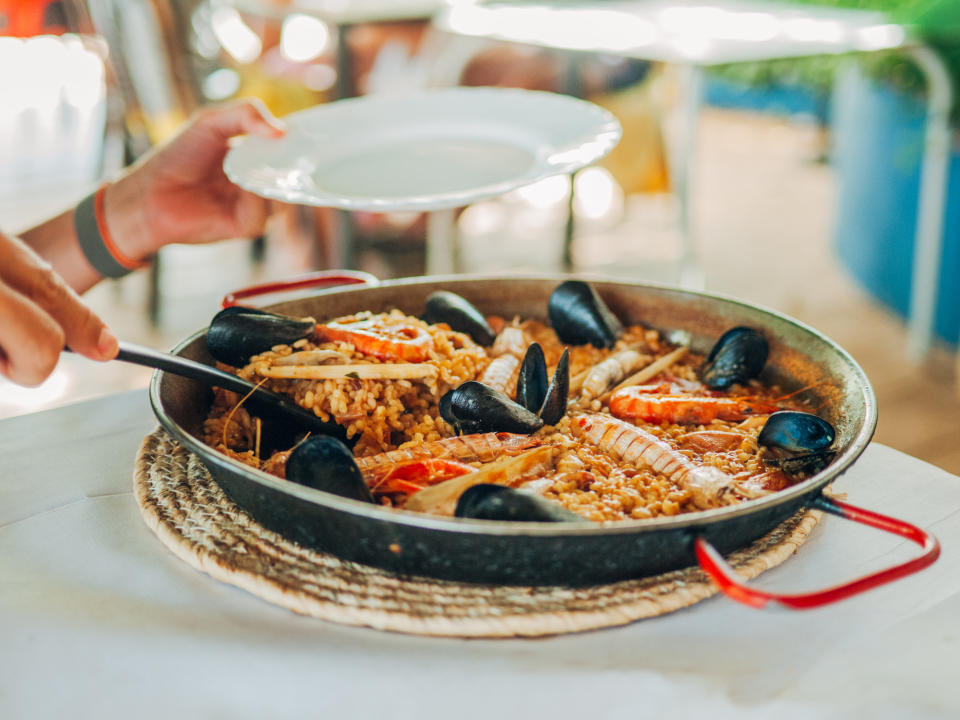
x=713, y=564
x=321, y=279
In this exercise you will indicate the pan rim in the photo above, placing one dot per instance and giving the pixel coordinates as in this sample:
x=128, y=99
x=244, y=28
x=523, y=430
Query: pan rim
x=697, y=519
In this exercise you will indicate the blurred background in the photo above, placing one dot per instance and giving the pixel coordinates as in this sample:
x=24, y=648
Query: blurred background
x=789, y=182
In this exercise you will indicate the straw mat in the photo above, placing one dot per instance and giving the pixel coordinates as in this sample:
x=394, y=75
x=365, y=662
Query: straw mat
x=188, y=511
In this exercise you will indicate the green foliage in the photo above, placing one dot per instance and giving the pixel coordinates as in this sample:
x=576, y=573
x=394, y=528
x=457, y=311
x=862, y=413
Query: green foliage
x=937, y=21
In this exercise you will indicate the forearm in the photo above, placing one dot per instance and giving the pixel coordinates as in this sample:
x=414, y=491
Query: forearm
x=56, y=239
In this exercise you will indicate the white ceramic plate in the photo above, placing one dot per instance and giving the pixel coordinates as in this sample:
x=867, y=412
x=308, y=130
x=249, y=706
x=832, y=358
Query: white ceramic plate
x=430, y=150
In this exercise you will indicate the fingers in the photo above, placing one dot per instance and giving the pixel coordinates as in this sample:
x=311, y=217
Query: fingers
x=244, y=117
x=26, y=274
x=30, y=340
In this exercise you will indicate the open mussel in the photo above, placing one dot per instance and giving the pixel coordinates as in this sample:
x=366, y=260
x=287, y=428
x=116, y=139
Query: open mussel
x=797, y=442
x=548, y=401
x=496, y=502
x=324, y=463
x=737, y=356
x=477, y=408
x=532, y=381
x=237, y=333
x=460, y=314
x=579, y=316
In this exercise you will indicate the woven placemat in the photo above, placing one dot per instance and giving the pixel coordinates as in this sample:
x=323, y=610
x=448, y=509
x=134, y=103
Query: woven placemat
x=190, y=514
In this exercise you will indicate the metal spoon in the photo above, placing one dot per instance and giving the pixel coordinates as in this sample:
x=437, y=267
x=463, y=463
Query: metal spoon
x=267, y=405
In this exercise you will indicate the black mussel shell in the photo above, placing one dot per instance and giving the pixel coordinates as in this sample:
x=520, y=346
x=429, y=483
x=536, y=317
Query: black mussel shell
x=475, y=407
x=797, y=432
x=579, y=316
x=236, y=334
x=806, y=464
x=532, y=382
x=555, y=405
x=496, y=502
x=324, y=463
x=457, y=312
x=737, y=356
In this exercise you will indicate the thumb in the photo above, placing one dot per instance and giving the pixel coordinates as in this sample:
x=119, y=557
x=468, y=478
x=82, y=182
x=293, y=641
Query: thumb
x=244, y=117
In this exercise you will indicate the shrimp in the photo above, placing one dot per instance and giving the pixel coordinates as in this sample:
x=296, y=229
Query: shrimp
x=612, y=370
x=380, y=337
x=500, y=371
x=635, y=404
x=708, y=486
x=511, y=341
x=507, y=351
x=441, y=499
x=478, y=447
x=414, y=475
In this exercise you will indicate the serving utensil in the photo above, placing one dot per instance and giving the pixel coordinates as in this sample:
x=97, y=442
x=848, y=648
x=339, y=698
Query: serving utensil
x=282, y=420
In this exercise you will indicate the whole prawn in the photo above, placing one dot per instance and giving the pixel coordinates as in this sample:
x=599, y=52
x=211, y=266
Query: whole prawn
x=637, y=403
x=708, y=486
x=380, y=337
x=477, y=447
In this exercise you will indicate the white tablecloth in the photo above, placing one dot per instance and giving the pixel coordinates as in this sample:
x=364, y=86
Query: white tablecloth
x=98, y=619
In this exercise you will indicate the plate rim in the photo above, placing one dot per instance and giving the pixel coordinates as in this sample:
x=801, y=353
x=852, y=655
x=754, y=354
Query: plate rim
x=591, y=148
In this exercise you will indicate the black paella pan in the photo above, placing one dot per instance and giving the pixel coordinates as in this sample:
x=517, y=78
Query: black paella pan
x=577, y=553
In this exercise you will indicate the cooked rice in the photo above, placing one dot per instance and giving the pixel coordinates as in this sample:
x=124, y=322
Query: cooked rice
x=388, y=414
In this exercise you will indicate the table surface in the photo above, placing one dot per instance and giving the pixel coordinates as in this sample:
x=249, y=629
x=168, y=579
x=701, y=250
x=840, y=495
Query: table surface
x=96, y=614
x=693, y=33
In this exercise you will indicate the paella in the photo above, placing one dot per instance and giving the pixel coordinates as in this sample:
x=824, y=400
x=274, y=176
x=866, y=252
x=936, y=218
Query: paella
x=512, y=418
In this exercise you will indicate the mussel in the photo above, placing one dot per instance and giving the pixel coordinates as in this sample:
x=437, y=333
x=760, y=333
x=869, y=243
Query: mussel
x=476, y=408
x=548, y=400
x=797, y=442
x=324, y=463
x=579, y=316
x=496, y=502
x=457, y=312
x=236, y=333
x=532, y=381
x=737, y=356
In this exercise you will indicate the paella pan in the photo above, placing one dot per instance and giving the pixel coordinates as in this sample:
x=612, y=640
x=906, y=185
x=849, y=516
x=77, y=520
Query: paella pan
x=646, y=423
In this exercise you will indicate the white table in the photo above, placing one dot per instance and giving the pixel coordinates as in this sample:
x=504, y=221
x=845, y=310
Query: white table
x=694, y=35
x=98, y=619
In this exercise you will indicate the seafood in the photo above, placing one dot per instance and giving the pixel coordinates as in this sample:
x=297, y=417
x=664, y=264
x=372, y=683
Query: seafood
x=441, y=499
x=324, y=463
x=511, y=341
x=532, y=383
x=478, y=447
x=380, y=338
x=507, y=351
x=611, y=370
x=533, y=392
x=797, y=442
x=237, y=333
x=555, y=404
x=647, y=435
x=737, y=356
x=474, y=407
x=634, y=403
x=457, y=312
x=579, y=316
x=414, y=475
x=708, y=486
x=495, y=502
x=500, y=371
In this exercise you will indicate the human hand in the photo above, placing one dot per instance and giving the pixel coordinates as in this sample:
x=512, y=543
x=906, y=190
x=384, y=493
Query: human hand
x=179, y=193
x=40, y=315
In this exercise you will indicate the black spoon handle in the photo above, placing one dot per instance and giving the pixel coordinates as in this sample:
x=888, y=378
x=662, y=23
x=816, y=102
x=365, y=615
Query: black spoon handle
x=261, y=401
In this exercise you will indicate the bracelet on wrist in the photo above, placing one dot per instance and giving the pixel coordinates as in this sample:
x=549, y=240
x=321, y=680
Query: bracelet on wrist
x=95, y=240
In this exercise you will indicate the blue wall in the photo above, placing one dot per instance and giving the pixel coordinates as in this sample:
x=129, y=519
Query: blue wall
x=878, y=142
